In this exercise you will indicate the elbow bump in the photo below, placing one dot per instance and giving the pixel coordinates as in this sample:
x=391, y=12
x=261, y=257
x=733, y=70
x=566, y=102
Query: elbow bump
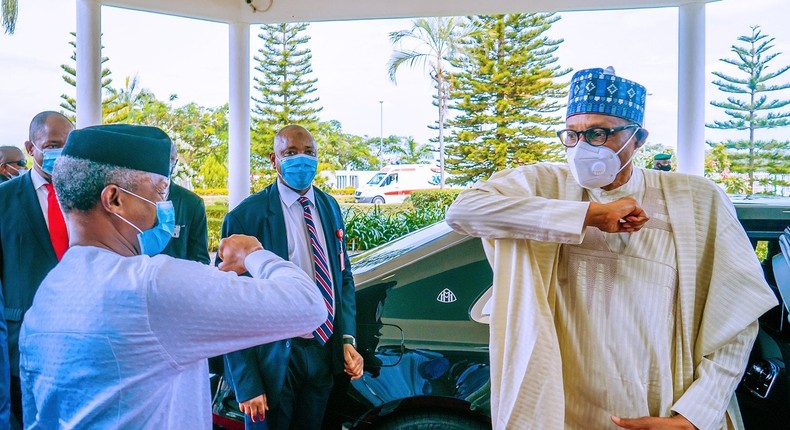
x=316, y=313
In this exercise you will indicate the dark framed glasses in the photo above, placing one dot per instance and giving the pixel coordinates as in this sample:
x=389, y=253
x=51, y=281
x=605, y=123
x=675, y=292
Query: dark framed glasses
x=19, y=163
x=595, y=136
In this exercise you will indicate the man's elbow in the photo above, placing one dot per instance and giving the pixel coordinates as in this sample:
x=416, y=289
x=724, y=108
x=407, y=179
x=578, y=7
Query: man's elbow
x=455, y=217
x=315, y=312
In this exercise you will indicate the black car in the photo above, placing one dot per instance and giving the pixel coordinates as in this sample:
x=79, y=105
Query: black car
x=422, y=318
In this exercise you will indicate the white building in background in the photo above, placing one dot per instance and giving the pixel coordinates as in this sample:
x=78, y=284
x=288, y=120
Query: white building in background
x=347, y=178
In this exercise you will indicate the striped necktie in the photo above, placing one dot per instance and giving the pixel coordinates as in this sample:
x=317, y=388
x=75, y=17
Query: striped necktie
x=322, y=278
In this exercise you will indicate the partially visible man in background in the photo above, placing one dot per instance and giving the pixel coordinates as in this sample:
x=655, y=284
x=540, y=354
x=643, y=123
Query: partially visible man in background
x=190, y=234
x=33, y=234
x=12, y=163
x=662, y=162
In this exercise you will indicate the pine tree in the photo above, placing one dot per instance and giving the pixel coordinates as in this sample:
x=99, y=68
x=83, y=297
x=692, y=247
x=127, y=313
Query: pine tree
x=284, y=86
x=10, y=13
x=284, y=90
x=764, y=162
x=506, y=96
x=110, y=106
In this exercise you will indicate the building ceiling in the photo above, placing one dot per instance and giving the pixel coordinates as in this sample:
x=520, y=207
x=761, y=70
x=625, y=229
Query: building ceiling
x=269, y=11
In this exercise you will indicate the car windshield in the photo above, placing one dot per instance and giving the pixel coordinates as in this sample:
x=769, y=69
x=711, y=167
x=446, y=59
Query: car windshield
x=371, y=259
x=377, y=178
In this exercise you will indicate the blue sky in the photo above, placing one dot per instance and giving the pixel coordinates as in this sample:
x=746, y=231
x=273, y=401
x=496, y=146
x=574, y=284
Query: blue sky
x=189, y=58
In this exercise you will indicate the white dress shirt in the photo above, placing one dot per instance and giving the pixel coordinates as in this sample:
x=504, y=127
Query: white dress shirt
x=300, y=251
x=39, y=183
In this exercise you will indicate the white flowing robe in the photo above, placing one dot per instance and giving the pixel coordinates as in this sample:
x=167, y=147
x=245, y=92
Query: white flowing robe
x=526, y=215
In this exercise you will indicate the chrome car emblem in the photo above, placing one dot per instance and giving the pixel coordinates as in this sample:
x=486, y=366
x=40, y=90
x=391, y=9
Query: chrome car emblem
x=446, y=296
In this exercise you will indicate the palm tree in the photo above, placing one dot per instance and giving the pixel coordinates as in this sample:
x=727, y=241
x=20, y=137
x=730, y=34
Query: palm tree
x=409, y=151
x=10, y=12
x=434, y=42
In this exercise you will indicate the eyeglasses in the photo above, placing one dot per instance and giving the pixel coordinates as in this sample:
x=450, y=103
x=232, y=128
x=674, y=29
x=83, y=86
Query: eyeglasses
x=20, y=163
x=595, y=136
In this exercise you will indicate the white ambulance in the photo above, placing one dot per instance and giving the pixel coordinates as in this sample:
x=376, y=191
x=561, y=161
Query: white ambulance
x=393, y=183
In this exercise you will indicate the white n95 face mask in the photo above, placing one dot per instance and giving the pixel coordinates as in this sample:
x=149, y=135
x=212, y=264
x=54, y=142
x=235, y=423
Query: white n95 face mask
x=596, y=166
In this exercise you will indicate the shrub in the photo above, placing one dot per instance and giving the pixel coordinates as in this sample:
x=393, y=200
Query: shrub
x=434, y=198
x=348, y=191
x=211, y=191
x=368, y=228
x=215, y=213
x=343, y=199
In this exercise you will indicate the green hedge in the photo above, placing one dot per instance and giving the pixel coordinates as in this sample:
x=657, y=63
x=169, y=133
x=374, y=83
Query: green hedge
x=348, y=191
x=434, y=198
x=211, y=191
x=215, y=213
x=367, y=226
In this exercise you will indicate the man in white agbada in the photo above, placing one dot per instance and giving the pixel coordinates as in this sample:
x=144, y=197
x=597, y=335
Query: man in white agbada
x=622, y=296
x=118, y=337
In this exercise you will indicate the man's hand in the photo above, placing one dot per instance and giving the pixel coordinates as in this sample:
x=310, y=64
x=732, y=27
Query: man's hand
x=620, y=216
x=678, y=422
x=354, y=363
x=256, y=407
x=234, y=249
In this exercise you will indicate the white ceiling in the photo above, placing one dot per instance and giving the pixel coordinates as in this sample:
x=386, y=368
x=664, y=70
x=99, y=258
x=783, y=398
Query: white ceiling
x=334, y=10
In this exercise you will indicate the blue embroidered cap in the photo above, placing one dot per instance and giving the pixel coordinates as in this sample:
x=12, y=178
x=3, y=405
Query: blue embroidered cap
x=600, y=91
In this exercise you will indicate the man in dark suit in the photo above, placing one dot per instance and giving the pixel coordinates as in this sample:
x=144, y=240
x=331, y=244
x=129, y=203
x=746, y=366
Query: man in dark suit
x=190, y=234
x=289, y=382
x=32, y=233
x=12, y=163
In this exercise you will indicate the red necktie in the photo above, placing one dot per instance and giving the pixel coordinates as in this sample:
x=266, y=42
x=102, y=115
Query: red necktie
x=57, y=225
x=322, y=277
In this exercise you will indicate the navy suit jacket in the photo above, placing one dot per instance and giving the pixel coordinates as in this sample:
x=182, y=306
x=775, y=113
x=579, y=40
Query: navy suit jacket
x=26, y=255
x=262, y=369
x=190, y=238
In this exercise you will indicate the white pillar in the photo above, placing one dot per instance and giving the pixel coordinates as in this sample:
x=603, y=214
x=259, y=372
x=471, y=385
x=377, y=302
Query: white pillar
x=691, y=88
x=88, y=63
x=239, y=115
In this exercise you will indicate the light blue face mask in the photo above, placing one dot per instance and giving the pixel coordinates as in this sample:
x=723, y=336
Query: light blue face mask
x=155, y=239
x=50, y=155
x=298, y=171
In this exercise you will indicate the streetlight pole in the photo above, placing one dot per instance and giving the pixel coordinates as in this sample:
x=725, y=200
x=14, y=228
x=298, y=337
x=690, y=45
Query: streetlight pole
x=381, y=129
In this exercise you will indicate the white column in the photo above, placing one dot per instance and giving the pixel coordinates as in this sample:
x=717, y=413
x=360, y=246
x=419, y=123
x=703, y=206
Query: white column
x=239, y=115
x=691, y=88
x=88, y=63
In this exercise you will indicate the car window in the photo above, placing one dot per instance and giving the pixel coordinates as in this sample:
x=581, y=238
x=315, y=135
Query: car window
x=481, y=309
x=447, y=295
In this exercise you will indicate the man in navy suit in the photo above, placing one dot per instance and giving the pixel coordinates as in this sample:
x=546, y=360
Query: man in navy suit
x=289, y=382
x=190, y=234
x=27, y=252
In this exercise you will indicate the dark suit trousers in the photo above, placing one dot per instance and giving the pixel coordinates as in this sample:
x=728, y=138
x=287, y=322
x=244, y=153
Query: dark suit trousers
x=307, y=387
x=16, y=403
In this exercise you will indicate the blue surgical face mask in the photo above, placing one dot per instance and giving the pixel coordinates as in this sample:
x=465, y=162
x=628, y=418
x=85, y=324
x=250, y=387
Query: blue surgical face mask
x=50, y=155
x=19, y=170
x=298, y=171
x=155, y=239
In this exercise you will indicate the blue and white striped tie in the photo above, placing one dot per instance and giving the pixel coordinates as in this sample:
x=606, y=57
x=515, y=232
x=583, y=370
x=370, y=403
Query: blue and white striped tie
x=322, y=277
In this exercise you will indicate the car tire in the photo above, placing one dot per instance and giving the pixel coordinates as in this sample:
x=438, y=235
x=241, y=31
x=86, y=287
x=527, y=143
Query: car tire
x=433, y=421
x=378, y=200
